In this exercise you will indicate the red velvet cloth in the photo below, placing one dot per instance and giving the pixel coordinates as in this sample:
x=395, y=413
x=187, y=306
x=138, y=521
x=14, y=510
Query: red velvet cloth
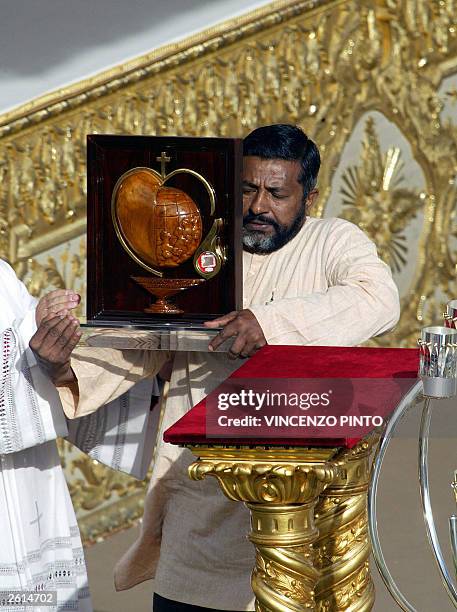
x=302, y=362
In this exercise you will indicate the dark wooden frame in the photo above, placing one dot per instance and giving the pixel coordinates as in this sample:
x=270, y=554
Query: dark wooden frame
x=112, y=296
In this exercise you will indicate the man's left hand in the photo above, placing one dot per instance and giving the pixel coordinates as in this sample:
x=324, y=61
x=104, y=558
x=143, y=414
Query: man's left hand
x=53, y=343
x=244, y=327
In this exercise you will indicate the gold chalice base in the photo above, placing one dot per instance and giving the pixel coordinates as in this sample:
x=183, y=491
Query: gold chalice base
x=163, y=289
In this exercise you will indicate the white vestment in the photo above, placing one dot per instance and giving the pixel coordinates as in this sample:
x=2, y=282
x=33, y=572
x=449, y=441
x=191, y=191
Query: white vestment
x=40, y=545
x=326, y=286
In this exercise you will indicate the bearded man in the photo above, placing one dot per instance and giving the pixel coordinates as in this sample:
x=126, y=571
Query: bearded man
x=307, y=281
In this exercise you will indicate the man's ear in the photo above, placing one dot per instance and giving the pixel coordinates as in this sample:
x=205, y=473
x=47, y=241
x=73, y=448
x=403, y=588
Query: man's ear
x=311, y=199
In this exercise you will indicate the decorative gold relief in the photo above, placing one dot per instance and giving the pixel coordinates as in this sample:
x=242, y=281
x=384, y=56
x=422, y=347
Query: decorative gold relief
x=377, y=200
x=284, y=576
x=91, y=484
x=264, y=482
x=58, y=268
x=281, y=497
x=321, y=64
x=342, y=549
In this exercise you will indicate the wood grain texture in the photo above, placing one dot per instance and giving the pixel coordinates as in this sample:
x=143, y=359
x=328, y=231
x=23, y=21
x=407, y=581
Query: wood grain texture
x=161, y=224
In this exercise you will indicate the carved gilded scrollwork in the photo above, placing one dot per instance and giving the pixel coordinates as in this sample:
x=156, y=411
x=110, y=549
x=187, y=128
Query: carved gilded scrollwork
x=342, y=549
x=376, y=198
x=284, y=577
x=322, y=64
x=264, y=482
x=281, y=496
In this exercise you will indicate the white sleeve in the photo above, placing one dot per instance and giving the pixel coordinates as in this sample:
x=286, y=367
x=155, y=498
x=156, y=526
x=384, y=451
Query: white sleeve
x=122, y=433
x=361, y=302
x=30, y=408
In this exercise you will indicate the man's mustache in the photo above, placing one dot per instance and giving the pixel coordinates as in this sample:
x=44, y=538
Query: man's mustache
x=259, y=219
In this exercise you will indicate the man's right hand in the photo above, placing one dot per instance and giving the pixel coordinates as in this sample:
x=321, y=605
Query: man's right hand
x=56, y=302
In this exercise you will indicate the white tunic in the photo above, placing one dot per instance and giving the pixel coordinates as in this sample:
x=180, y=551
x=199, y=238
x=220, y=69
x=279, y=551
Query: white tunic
x=326, y=286
x=40, y=545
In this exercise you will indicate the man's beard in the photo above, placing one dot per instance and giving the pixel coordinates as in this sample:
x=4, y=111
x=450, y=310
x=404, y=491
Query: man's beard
x=257, y=242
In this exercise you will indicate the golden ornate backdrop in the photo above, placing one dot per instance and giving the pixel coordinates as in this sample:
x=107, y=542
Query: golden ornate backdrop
x=374, y=82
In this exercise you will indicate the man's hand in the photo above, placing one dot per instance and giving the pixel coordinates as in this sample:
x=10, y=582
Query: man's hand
x=56, y=302
x=53, y=344
x=244, y=327
x=57, y=334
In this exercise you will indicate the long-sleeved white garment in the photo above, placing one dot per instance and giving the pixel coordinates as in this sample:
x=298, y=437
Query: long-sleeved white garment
x=327, y=286
x=40, y=546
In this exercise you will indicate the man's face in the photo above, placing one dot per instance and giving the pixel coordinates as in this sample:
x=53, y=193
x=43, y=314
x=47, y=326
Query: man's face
x=273, y=206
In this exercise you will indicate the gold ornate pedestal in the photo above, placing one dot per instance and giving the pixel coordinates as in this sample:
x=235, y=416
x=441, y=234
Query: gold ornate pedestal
x=308, y=520
x=342, y=549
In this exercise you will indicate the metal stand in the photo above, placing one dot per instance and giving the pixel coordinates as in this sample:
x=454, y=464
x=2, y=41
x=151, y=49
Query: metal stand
x=438, y=379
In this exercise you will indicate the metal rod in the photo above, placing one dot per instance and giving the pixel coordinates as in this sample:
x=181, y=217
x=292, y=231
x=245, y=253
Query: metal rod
x=453, y=535
x=426, y=502
x=381, y=564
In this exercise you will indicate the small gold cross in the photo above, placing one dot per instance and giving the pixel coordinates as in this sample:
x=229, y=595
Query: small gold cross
x=163, y=159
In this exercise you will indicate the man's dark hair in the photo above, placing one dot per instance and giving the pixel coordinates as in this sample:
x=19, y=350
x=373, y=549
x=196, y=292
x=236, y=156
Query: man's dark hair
x=285, y=141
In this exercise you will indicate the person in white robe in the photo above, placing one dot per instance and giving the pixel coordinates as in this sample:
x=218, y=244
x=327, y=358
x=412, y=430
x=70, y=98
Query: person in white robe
x=306, y=281
x=41, y=549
